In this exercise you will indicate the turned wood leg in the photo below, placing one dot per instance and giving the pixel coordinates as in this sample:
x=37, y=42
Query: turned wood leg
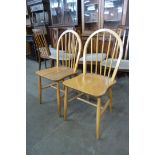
x=58, y=98
x=65, y=103
x=98, y=118
x=40, y=89
x=110, y=96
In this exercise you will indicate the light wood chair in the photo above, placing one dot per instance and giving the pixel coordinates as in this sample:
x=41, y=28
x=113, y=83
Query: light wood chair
x=124, y=63
x=94, y=84
x=68, y=53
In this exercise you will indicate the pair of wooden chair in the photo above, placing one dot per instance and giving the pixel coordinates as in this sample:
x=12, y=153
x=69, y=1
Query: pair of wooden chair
x=96, y=83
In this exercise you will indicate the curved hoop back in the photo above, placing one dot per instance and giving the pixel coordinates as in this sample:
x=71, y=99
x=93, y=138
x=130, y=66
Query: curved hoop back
x=111, y=42
x=41, y=43
x=68, y=49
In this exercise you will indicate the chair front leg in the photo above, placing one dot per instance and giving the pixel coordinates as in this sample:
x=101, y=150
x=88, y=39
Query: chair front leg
x=110, y=96
x=58, y=98
x=65, y=103
x=98, y=118
x=40, y=89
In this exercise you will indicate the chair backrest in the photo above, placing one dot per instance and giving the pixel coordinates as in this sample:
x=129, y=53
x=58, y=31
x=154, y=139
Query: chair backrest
x=54, y=32
x=124, y=34
x=111, y=43
x=68, y=49
x=41, y=43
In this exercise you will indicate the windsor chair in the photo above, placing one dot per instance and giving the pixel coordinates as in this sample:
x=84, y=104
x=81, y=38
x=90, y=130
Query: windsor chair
x=94, y=83
x=68, y=52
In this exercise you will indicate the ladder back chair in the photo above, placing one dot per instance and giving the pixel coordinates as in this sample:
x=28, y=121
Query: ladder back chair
x=124, y=63
x=68, y=53
x=96, y=83
x=42, y=46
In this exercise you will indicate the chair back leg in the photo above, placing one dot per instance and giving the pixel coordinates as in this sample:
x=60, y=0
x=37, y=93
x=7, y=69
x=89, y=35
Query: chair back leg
x=98, y=118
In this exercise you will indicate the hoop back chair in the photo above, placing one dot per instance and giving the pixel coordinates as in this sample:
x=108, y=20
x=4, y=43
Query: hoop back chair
x=98, y=81
x=42, y=46
x=68, y=53
x=124, y=63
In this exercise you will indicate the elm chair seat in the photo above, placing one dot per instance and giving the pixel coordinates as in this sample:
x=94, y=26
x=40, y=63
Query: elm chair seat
x=87, y=83
x=56, y=73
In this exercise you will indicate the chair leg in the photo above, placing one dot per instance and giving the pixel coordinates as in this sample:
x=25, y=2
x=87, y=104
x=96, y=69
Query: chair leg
x=45, y=63
x=65, y=103
x=98, y=118
x=39, y=63
x=110, y=96
x=51, y=61
x=58, y=98
x=40, y=89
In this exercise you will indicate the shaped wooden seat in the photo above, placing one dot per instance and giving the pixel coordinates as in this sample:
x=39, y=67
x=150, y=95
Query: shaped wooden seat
x=56, y=73
x=92, y=83
x=70, y=43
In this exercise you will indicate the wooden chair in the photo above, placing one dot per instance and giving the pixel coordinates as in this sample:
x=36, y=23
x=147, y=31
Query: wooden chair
x=94, y=84
x=68, y=52
x=124, y=63
x=42, y=46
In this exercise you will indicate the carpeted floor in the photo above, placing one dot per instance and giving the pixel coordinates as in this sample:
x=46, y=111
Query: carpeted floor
x=48, y=134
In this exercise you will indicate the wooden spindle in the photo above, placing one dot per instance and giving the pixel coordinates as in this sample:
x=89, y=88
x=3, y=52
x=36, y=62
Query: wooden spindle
x=102, y=53
x=107, y=55
x=62, y=51
x=113, y=54
x=96, y=52
x=66, y=49
x=69, y=49
x=126, y=49
x=91, y=55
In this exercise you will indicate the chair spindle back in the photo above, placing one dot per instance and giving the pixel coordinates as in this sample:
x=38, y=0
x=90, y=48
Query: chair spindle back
x=68, y=49
x=111, y=43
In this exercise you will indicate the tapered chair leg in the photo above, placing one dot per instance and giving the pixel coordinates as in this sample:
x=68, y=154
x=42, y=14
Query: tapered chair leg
x=58, y=98
x=65, y=103
x=98, y=118
x=40, y=89
x=110, y=96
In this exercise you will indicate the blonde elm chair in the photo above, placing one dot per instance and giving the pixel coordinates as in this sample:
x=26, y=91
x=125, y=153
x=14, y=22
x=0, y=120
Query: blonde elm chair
x=96, y=84
x=124, y=63
x=68, y=52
